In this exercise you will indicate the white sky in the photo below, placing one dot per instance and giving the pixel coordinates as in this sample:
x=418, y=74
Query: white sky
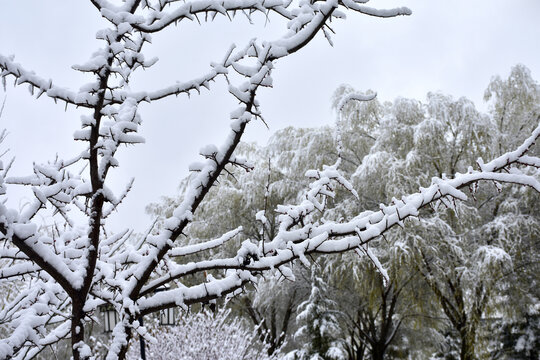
x=452, y=46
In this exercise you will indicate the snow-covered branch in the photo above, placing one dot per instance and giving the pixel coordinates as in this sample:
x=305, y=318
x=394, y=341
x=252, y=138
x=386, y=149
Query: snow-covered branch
x=209, y=9
x=41, y=86
x=294, y=242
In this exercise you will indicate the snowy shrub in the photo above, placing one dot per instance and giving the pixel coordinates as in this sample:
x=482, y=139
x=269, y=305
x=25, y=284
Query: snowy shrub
x=204, y=335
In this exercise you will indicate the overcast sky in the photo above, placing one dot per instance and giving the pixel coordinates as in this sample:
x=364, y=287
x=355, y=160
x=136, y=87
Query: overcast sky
x=449, y=46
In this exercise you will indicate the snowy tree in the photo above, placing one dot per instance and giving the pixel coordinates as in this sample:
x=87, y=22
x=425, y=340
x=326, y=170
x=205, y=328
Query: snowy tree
x=73, y=268
x=466, y=252
x=276, y=178
x=318, y=323
x=515, y=104
x=271, y=307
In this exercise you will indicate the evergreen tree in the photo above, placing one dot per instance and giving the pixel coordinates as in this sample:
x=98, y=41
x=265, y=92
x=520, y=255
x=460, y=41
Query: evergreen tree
x=317, y=318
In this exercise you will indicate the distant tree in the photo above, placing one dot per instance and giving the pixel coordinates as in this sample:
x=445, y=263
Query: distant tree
x=470, y=253
x=271, y=307
x=515, y=105
x=77, y=266
x=318, y=322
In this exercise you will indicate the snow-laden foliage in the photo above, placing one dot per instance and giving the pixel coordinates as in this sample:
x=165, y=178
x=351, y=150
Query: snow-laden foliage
x=204, y=335
x=72, y=269
x=515, y=105
x=519, y=339
x=318, y=324
x=478, y=257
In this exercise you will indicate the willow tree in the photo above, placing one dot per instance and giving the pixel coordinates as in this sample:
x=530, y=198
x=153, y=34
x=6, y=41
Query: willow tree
x=476, y=256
